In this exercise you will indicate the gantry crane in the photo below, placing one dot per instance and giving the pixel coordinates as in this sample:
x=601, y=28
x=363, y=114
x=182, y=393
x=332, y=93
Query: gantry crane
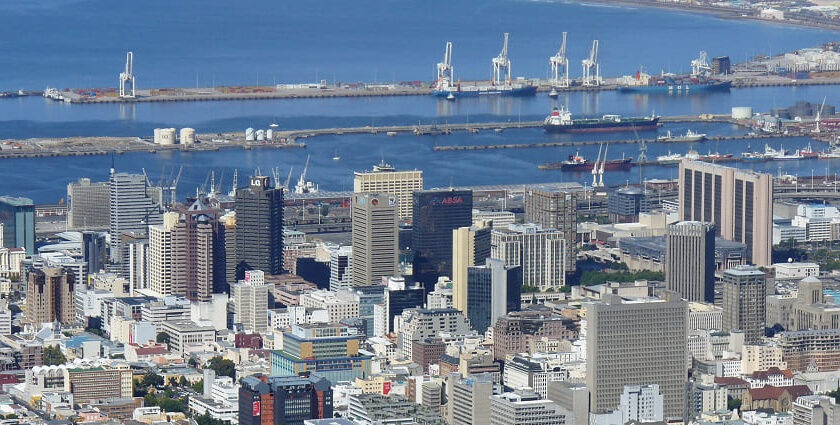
x=700, y=66
x=127, y=77
x=501, y=66
x=590, y=64
x=558, y=62
x=445, y=73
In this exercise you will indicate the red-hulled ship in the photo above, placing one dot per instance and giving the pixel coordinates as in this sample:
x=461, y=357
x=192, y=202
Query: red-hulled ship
x=579, y=163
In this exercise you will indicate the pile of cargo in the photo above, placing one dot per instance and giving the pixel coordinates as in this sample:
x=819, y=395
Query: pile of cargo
x=95, y=93
x=246, y=89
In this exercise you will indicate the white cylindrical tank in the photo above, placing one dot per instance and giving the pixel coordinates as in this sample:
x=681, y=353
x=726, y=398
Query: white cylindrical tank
x=260, y=134
x=742, y=112
x=249, y=133
x=157, y=136
x=269, y=134
x=187, y=136
x=167, y=136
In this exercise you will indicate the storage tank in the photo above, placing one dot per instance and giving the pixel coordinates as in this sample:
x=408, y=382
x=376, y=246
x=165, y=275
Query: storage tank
x=269, y=134
x=249, y=133
x=157, y=136
x=260, y=135
x=187, y=136
x=167, y=136
x=742, y=112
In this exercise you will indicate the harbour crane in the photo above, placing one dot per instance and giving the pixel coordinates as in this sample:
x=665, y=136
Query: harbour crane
x=558, y=62
x=595, y=167
x=700, y=66
x=232, y=192
x=819, y=117
x=173, y=187
x=288, y=180
x=501, y=65
x=590, y=64
x=275, y=174
x=302, y=185
x=601, y=171
x=127, y=77
x=445, y=72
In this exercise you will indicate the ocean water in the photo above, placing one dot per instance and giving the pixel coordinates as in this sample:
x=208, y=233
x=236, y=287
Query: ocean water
x=82, y=43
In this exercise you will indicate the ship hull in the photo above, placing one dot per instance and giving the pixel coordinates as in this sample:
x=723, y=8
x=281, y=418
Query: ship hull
x=594, y=126
x=677, y=88
x=617, y=164
x=488, y=91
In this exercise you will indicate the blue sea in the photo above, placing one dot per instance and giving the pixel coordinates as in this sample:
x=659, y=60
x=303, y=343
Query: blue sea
x=82, y=43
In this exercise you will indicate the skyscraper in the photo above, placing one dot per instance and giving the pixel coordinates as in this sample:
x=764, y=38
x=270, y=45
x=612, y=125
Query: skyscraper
x=636, y=342
x=132, y=209
x=493, y=290
x=385, y=179
x=17, y=220
x=88, y=206
x=436, y=214
x=738, y=202
x=690, y=260
x=540, y=252
x=341, y=262
x=259, y=228
x=288, y=400
x=554, y=208
x=94, y=251
x=250, y=302
x=50, y=296
x=375, y=251
x=744, y=302
x=470, y=247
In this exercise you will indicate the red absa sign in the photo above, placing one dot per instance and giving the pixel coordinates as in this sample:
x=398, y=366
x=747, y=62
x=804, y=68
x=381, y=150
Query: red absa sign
x=386, y=388
x=256, y=408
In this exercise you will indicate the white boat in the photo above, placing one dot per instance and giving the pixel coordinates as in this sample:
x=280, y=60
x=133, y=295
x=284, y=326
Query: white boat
x=689, y=136
x=274, y=125
x=450, y=97
x=391, y=133
x=671, y=158
x=553, y=93
x=499, y=130
x=336, y=157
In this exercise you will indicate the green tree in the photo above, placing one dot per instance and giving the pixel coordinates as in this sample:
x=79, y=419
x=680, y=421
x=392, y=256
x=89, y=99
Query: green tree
x=183, y=382
x=192, y=362
x=198, y=386
x=149, y=400
x=733, y=404
x=162, y=338
x=151, y=379
x=95, y=331
x=173, y=382
x=222, y=367
x=835, y=394
x=54, y=356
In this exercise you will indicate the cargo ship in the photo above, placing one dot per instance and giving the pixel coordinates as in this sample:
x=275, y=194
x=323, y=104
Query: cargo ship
x=502, y=83
x=578, y=163
x=673, y=84
x=560, y=121
x=456, y=91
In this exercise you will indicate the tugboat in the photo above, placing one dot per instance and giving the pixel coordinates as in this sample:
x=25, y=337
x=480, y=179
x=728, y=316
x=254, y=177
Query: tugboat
x=560, y=121
x=808, y=152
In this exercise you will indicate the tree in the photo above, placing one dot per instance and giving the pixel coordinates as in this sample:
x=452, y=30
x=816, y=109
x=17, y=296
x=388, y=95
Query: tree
x=151, y=379
x=95, y=331
x=835, y=394
x=222, y=367
x=192, y=362
x=162, y=338
x=54, y=356
x=183, y=382
x=173, y=382
x=198, y=386
x=733, y=404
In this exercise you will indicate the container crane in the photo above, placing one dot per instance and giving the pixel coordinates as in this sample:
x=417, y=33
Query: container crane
x=601, y=171
x=302, y=185
x=288, y=180
x=558, y=62
x=445, y=72
x=595, y=167
x=127, y=77
x=173, y=187
x=232, y=192
x=501, y=65
x=700, y=66
x=819, y=117
x=590, y=64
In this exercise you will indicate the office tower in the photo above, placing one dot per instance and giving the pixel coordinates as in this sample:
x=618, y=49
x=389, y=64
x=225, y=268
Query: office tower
x=636, y=342
x=513, y=332
x=493, y=290
x=399, y=298
x=250, y=302
x=288, y=400
x=744, y=302
x=341, y=268
x=94, y=251
x=375, y=250
x=386, y=179
x=329, y=350
x=469, y=399
x=420, y=324
x=555, y=209
x=50, y=296
x=339, y=305
x=259, y=228
x=625, y=204
x=738, y=202
x=470, y=247
x=690, y=260
x=161, y=261
x=525, y=407
x=132, y=208
x=641, y=403
x=17, y=220
x=540, y=252
x=138, y=261
x=228, y=227
x=574, y=398
x=436, y=214
x=88, y=205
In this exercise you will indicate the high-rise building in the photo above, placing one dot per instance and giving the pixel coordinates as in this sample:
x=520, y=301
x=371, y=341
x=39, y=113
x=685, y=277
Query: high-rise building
x=375, y=249
x=259, y=228
x=138, y=260
x=399, y=298
x=738, y=202
x=132, y=208
x=690, y=260
x=493, y=290
x=341, y=260
x=17, y=221
x=88, y=205
x=469, y=399
x=436, y=214
x=250, y=302
x=554, y=208
x=94, y=251
x=421, y=324
x=636, y=342
x=744, y=302
x=329, y=350
x=625, y=204
x=641, y=403
x=525, y=407
x=540, y=252
x=387, y=180
x=470, y=247
x=513, y=332
x=287, y=400
x=50, y=296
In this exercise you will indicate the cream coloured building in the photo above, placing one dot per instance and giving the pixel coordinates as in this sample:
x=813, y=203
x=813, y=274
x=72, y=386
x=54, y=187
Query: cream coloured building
x=385, y=179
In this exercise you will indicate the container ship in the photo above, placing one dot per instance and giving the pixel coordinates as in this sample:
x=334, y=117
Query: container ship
x=578, y=163
x=447, y=91
x=560, y=121
x=672, y=84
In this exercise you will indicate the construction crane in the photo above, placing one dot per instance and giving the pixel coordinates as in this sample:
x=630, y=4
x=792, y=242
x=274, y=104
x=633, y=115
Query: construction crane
x=590, y=64
x=173, y=187
x=557, y=62
x=700, y=66
x=275, y=174
x=819, y=117
x=501, y=65
x=595, y=167
x=127, y=77
x=445, y=72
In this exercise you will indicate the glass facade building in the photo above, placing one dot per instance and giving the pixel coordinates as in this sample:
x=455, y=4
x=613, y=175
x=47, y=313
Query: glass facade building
x=436, y=214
